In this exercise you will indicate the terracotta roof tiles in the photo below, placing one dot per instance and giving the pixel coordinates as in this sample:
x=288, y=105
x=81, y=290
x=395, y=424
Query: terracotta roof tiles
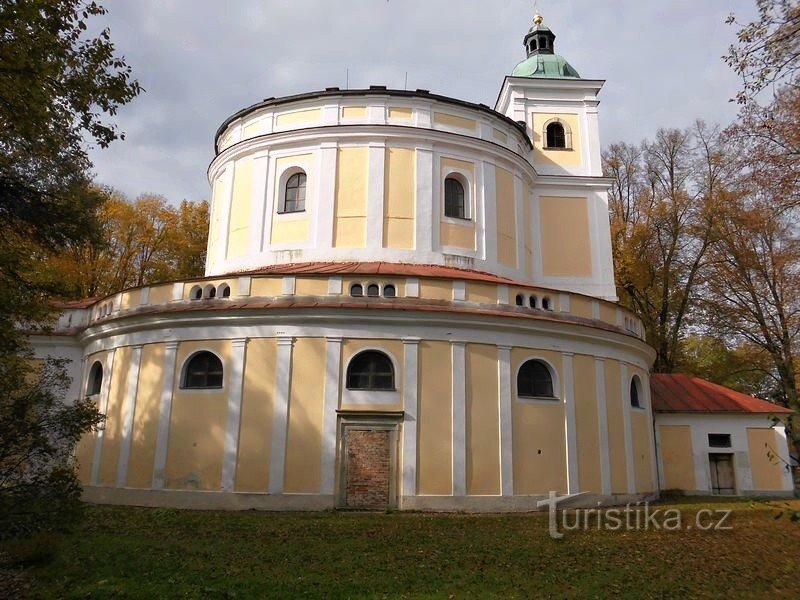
x=685, y=393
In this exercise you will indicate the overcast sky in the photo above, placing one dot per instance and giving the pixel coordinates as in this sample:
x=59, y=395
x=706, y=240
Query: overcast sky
x=202, y=60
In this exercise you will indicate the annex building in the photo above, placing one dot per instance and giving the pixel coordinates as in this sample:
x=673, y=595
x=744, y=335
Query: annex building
x=408, y=303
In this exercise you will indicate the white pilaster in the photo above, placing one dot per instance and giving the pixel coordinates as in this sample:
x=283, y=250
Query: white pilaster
x=280, y=418
x=128, y=413
x=104, y=394
x=326, y=194
x=164, y=415
x=232, y=428
x=375, y=195
x=459, y=290
x=410, y=432
x=226, y=197
x=259, y=203
x=488, y=208
x=570, y=426
x=651, y=431
x=506, y=442
x=459, y=419
x=626, y=419
x=423, y=214
x=333, y=362
x=602, y=423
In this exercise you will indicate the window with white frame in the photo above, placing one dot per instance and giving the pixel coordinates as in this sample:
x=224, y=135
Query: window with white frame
x=293, y=194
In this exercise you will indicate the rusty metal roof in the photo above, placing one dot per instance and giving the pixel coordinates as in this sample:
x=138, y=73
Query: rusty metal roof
x=679, y=393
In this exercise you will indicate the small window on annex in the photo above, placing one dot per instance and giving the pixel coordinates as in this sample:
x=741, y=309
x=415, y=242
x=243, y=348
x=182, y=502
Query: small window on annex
x=95, y=382
x=454, y=199
x=203, y=371
x=719, y=440
x=370, y=370
x=294, y=194
x=556, y=136
x=534, y=380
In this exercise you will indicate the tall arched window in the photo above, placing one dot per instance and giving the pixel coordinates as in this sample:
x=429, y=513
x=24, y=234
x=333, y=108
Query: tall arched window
x=636, y=387
x=534, y=380
x=556, y=136
x=370, y=370
x=294, y=194
x=95, y=382
x=204, y=370
x=454, y=199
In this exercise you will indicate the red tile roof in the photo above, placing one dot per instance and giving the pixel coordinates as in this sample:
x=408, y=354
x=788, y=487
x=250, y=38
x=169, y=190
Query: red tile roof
x=685, y=393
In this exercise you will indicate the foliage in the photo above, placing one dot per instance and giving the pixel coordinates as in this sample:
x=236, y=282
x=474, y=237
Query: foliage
x=141, y=242
x=154, y=553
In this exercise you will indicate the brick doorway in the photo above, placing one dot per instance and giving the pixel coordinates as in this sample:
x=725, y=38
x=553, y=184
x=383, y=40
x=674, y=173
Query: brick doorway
x=367, y=462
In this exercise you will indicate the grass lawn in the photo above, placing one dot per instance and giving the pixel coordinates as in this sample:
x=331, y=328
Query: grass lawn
x=156, y=553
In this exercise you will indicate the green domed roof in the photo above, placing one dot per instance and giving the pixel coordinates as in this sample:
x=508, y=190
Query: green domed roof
x=545, y=65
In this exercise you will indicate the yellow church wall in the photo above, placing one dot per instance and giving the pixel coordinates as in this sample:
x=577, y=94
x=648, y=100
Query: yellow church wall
x=131, y=299
x=252, y=130
x=457, y=235
x=608, y=313
x=485, y=293
x=506, y=218
x=449, y=120
x=435, y=420
x=309, y=117
x=258, y=397
x=403, y=113
x=561, y=158
x=640, y=434
x=616, y=431
x=499, y=136
x=240, y=217
x=311, y=286
x=145, y=422
x=580, y=306
x=565, y=237
x=483, y=421
x=436, y=289
x=677, y=457
x=399, y=198
x=287, y=232
x=266, y=286
x=84, y=451
x=350, y=211
x=586, y=423
x=160, y=294
x=539, y=443
x=197, y=425
x=112, y=435
x=767, y=474
x=306, y=400
x=354, y=112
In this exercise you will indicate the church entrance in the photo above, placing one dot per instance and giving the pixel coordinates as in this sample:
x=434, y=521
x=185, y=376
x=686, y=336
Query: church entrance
x=367, y=462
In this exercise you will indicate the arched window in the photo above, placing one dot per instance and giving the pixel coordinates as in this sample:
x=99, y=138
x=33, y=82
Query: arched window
x=547, y=304
x=225, y=290
x=196, y=293
x=389, y=291
x=533, y=302
x=636, y=389
x=357, y=290
x=454, y=200
x=520, y=300
x=203, y=370
x=95, y=382
x=556, y=136
x=534, y=380
x=370, y=370
x=373, y=290
x=294, y=194
x=211, y=291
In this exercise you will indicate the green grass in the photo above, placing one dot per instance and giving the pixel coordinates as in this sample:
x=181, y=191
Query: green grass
x=156, y=553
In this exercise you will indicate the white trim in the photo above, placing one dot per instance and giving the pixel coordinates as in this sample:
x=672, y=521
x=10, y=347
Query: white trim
x=458, y=350
x=423, y=212
x=245, y=284
x=630, y=470
x=128, y=413
x=164, y=415
x=412, y=287
x=326, y=193
x=375, y=194
x=503, y=294
x=259, y=202
x=570, y=424
x=563, y=302
x=506, y=420
x=144, y=296
x=602, y=422
x=177, y=290
x=459, y=289
x=289, y=285
x=333, y=379
x=232, y=428
x=410, y=407
x=104, y=394
x=335, y=286
x=280, y=418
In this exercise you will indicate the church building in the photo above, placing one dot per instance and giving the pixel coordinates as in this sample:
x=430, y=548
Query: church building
x=409, y=303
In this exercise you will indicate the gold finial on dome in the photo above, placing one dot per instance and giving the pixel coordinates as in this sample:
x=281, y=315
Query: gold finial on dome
x=538, y=19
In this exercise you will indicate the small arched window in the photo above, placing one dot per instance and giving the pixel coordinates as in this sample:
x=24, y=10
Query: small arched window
x=389, y=291
x=534, y=380
x=370, y=370
x=225, y=290
x=556, y=136
x=373, y=290
x=533, y=302
x=357, y=290
x=294, y=194
x=95, y=382
x=211, y=291
x=454, y=199
x=520, y=300
x=196, y=293
x=547, y=304
x=636, y=388
x=203, y=370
